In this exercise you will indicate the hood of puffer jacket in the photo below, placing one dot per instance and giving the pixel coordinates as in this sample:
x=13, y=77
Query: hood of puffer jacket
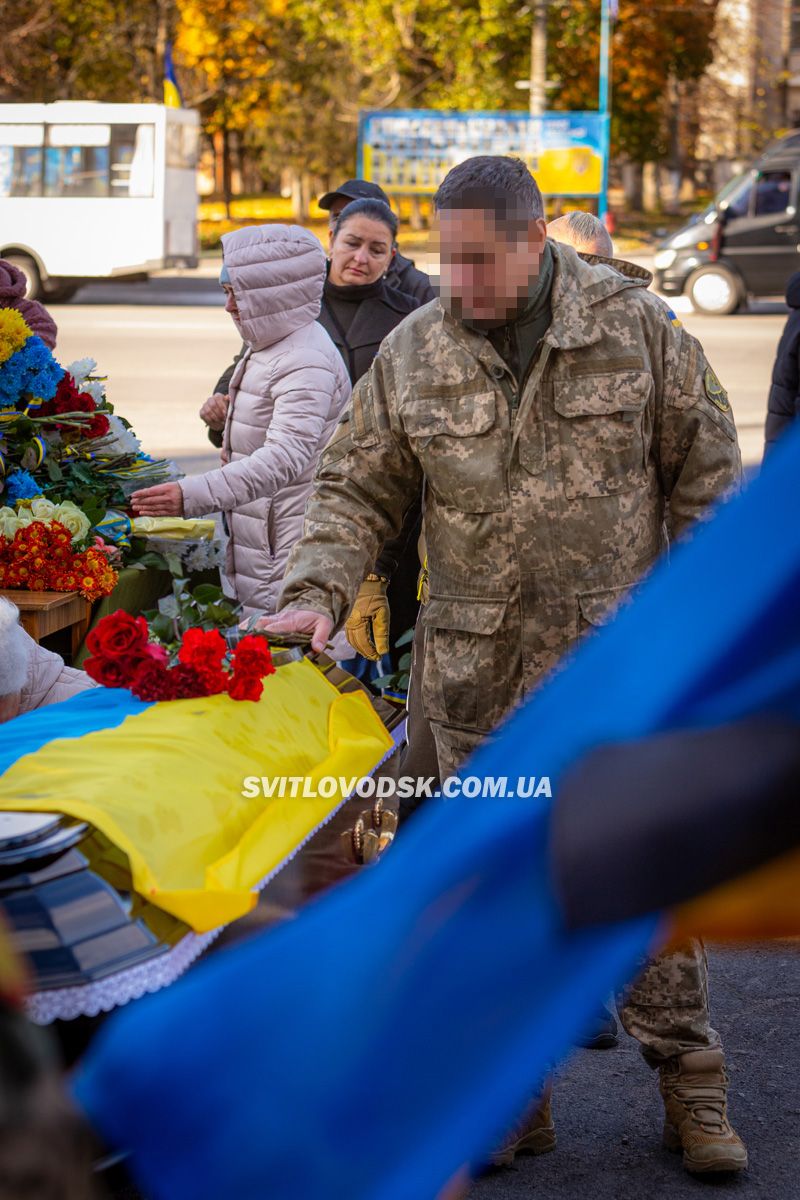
x=277, y=273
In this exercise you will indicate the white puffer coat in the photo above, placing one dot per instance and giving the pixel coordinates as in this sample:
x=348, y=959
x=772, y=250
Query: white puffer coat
x=286, y=393
x=49, y=681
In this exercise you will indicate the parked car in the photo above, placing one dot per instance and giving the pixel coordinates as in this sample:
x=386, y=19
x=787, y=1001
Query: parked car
x=746, y=243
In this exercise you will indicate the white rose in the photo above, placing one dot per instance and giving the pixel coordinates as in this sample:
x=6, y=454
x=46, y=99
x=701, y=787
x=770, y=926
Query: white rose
x=42, y=509
x=72, y=519
x=9, y=522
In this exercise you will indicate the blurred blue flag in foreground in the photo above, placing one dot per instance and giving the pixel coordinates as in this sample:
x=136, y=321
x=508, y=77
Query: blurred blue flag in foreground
x=396, y=1029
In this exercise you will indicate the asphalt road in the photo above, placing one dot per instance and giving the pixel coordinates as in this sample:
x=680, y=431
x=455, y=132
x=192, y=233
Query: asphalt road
x=163, y=344
x=608, y=1112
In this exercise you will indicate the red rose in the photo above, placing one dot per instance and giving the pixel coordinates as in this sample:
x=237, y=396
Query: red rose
x=109, y=672
x=119, y=635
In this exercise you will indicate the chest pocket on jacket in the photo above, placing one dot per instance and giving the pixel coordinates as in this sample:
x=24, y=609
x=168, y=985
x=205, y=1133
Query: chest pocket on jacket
x=460, y=448
x=601, y=430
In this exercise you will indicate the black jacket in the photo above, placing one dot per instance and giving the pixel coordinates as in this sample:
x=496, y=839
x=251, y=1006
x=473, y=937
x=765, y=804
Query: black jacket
x=359, y=318
x=783, y=405
x=405, y=277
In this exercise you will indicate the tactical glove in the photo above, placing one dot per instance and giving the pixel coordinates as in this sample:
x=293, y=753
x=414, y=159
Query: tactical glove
x=367, y=627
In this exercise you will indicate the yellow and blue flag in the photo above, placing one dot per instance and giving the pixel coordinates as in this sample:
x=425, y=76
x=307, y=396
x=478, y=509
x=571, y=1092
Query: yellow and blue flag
x=165, y=782
x=172, y=93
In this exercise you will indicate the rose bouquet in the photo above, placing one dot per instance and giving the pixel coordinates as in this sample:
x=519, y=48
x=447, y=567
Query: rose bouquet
x=201, y=663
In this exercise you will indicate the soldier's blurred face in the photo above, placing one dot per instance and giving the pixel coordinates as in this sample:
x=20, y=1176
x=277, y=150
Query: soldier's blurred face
x=488, y=263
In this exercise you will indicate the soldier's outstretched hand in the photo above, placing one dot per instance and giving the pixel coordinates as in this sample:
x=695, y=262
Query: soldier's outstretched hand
x=300, y=620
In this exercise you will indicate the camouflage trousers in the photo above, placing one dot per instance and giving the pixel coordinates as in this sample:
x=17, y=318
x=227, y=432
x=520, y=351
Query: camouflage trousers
x=666, y=1009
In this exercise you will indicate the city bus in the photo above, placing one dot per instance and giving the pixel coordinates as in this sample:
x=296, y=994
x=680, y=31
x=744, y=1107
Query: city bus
x=94, y=191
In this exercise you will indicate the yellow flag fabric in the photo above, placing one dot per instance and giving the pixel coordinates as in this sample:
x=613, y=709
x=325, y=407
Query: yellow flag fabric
x=177, y=528
x=166, y=786
x=172, y=97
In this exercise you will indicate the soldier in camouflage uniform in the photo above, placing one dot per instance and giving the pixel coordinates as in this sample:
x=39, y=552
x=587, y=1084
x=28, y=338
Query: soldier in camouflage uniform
x=564, y=426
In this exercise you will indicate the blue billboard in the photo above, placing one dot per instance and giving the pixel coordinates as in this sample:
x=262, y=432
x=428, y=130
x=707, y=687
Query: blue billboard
x=409, y=151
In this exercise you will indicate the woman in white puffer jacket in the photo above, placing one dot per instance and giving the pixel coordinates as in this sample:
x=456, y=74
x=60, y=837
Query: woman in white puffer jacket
x=286, y=395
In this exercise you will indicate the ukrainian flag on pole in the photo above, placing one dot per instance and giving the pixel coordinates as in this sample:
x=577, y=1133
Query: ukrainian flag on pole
x=172, y=93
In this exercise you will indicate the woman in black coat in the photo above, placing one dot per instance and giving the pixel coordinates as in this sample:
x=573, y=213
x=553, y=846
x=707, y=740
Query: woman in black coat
x=783, y=406
x=359, y=307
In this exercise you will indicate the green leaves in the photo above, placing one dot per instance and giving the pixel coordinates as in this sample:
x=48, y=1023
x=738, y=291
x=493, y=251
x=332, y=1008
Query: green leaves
x=202, y=607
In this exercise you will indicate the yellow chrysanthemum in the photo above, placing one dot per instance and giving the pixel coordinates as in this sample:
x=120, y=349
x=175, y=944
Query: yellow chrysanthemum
x=14, y=332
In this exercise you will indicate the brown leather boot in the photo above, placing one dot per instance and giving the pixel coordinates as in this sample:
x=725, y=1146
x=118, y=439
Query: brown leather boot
x=694, y=1087
x=533, y=1134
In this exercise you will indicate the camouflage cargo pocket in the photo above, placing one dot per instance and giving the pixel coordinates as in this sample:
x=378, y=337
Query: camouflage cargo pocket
x=462, y=452
x=601, y=432
x=465, y=672
x=599, y=608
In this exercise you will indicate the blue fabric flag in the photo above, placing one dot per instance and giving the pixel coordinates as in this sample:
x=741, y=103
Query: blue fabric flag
x=396, y=1029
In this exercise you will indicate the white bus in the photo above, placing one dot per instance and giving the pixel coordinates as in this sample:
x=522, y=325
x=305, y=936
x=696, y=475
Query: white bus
x=92, y=191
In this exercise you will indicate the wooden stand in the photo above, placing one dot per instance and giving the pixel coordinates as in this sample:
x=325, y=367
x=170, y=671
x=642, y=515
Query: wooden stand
x=43, y=613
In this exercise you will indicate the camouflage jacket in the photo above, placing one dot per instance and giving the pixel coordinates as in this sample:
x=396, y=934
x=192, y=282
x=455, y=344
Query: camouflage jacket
x=541, y=509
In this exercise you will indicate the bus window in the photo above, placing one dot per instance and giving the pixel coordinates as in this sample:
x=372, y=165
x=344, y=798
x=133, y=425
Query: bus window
x=132, y=160
x=76, y=160
x=21, y=160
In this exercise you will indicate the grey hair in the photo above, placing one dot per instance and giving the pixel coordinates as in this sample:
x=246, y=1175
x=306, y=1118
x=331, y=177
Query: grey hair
x=13, y=650
x=584, y=231
x=491, y=181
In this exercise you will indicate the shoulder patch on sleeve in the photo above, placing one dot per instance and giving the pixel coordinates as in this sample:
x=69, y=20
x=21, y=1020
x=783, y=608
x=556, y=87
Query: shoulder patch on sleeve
x=715, y=391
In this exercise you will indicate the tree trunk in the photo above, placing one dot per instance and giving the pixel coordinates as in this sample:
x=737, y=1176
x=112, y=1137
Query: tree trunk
x=632, y=186
x=297, y=196
x=651, y=187
x=227, y=190
x=306, y=190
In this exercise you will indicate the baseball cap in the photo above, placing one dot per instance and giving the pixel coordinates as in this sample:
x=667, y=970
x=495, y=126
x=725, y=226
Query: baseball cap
x=354, y=189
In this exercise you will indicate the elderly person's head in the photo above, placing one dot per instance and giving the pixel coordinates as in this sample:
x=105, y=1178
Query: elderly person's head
x=584, y=232
x=13, y=660
x=493, y=236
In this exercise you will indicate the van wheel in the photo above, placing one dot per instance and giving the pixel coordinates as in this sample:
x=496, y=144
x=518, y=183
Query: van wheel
x=30, y=271
x=714, y=290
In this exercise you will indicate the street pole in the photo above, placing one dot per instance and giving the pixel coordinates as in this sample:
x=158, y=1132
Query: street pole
x=537, y=94
x=604, y=103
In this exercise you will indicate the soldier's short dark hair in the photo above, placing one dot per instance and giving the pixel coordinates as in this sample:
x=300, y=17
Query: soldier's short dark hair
x=492, y=181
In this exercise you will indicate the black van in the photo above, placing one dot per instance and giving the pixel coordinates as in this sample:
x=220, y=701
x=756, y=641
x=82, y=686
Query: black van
x=746, y=243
